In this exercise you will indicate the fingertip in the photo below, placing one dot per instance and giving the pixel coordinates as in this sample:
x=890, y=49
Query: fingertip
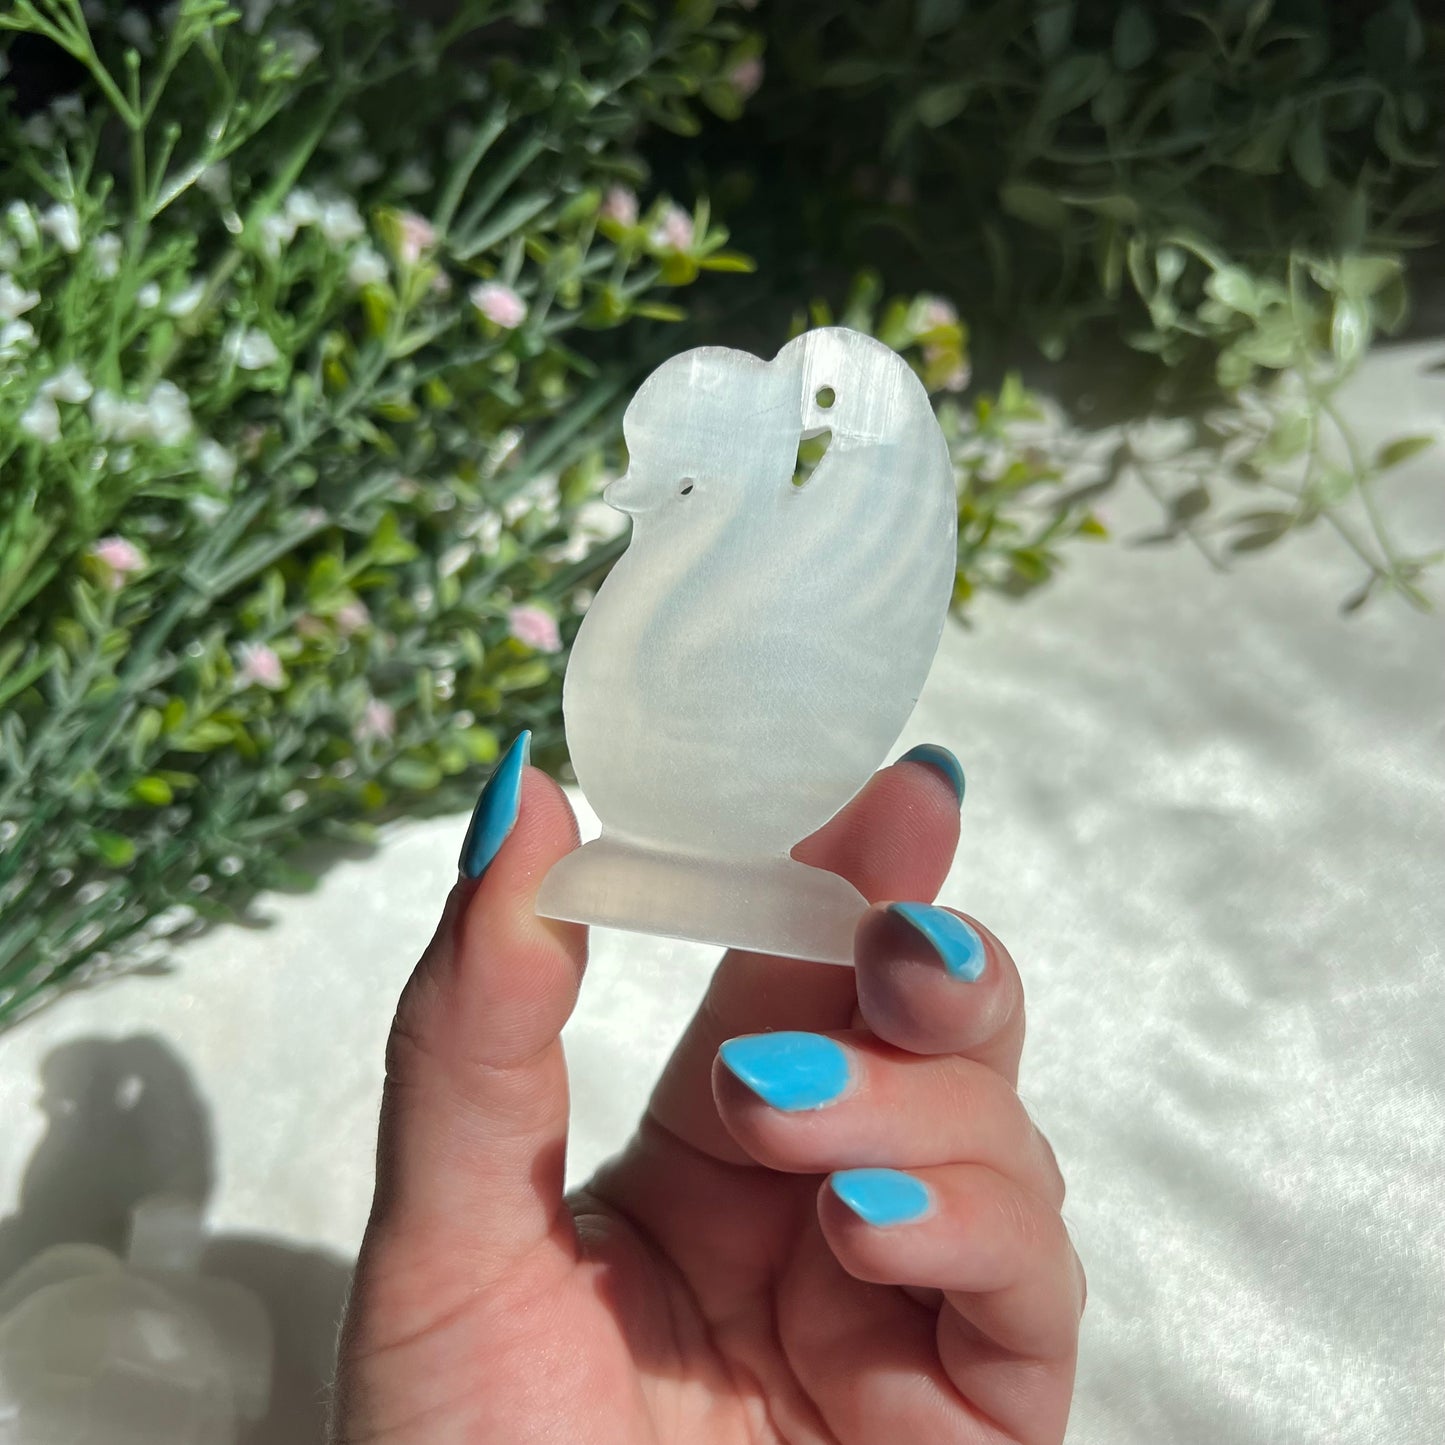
x=932, y=981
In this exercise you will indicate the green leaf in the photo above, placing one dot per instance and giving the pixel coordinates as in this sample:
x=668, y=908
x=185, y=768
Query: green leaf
x=659, y=311
x=152, y=790
x=414, y=774
x=729, y=261
x=114, y=849
x=1234, y=287
x=1070, y=84
x=1133, y=37
x=205, y=737
x=1392, y=454
x=1034, y=204
x=1053, y=27
x=936, y=105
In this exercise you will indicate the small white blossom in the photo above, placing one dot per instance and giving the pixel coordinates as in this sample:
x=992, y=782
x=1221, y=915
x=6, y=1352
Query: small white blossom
x=277, y=230
x=258, y=665
x=255, y=13
x=62, y=221
x=215, y=463
x=377, y=722
x=674, y=232
x=22, y=223
x=302, y=208
x=41, y=420
x=340, y=222
x=39, y=131
x=417, y=234
x=299, y=46
x=69, y=113
x=169, y=414
x=15, y=337
x=215, y=180
x=934, y=312
x=148, y=297
x=252, y=349
x=367, y=267
x=208, y=510
x=499, y=304
x=620, y=205
x=183, y=303
x=68, y=384
x=106, y=250
x=15, y=300
x=746, y=76
x=351, y=617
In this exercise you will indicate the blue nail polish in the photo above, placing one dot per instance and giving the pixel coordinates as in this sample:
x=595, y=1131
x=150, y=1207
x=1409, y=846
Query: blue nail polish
x=941, y=761
x=790, y=1071
x=957, y=943
x=496, y=809
x=882, y=1196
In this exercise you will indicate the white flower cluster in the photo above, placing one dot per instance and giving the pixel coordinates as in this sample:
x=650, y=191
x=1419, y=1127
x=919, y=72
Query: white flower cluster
x=41, y=419
x=335, y=218
x=164, y=416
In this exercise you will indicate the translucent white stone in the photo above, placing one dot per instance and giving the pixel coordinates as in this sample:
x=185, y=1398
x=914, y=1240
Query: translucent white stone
x=758, y=648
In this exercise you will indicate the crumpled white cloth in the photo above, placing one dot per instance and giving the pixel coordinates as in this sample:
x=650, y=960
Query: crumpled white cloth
x=1208, y=817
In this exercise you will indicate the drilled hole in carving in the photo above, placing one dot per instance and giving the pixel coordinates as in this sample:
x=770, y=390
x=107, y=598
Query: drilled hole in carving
x=687, y=485
x=826, y=397
x=811, y=451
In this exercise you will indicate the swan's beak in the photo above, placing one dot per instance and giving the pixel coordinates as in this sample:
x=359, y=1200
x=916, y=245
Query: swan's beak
x=626, y=495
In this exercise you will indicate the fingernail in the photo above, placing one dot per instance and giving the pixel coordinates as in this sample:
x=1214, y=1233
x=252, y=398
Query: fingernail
x=882, y=1196
x=496, y=809
x=791, y=1071
x=956, y=943
x=941, y=761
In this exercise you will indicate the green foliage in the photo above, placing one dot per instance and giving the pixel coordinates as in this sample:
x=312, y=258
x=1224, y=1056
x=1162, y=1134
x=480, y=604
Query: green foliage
x=301, y=416
x=303, y=412
x=1231, y=188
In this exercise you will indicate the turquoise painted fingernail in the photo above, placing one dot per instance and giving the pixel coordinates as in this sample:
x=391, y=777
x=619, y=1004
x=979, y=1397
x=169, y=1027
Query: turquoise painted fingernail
x=791, y=1071
x=941, y=761
x=882, y=1196
x=496, y=809
x=956, y=943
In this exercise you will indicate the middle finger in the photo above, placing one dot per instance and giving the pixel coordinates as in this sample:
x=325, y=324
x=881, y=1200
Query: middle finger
x=812, y=1103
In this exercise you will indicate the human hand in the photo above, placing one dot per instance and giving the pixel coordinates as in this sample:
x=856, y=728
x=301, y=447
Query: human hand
x=719, y=1281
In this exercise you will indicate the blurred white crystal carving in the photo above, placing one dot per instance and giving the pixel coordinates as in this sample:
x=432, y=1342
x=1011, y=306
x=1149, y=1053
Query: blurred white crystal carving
x=756, y=651
x=96, y=1350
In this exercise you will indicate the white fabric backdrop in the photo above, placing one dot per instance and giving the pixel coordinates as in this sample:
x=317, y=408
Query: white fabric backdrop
x=1206, y=815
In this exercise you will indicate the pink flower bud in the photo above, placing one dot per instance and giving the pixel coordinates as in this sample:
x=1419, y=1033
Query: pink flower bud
x=535, y=628
x=499, y=304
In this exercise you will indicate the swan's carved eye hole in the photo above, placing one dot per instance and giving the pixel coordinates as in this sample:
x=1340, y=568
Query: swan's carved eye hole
x=826, y=397
x=687, y=485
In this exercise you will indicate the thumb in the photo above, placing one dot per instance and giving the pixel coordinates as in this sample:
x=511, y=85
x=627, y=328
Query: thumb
x=471, y=1154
